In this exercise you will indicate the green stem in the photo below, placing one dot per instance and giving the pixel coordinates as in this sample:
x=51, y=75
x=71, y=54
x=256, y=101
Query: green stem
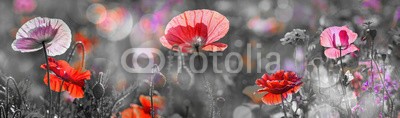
x=48, y=76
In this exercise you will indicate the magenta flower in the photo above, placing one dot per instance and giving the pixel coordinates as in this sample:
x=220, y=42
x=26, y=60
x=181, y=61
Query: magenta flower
x=373, y=4
x=339, y=41
x=24, y=6
x=397, y=14
x=54, y=33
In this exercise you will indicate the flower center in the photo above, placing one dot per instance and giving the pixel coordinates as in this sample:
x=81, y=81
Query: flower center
x=198, y=42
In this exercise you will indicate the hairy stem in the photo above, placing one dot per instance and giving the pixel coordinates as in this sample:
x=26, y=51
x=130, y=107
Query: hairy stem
x=283, y=106
x=48, y=76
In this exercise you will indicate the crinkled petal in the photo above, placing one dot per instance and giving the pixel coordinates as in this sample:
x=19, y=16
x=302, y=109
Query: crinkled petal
x=158, y=102
x=334, y=53
x=55, y=83
x=214, y=47
x=273, y=99
x=135, y=111
x=26, y=45
x=75, y=91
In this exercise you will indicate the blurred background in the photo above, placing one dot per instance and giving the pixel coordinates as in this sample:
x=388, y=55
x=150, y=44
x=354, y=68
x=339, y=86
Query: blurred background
x=114, y=26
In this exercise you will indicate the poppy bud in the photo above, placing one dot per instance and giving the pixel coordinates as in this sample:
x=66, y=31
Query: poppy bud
x=159, y=80
x=310, y=68
x=317, y=62
x=384, y=57
x=373, y=34
x=220, y=101
x=98, y=90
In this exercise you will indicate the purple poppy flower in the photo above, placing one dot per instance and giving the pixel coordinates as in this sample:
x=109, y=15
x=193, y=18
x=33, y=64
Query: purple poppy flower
x=53, y=32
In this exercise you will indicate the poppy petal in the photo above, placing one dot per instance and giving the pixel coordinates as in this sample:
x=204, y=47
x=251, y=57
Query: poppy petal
x=326, y=37
x=75, y=91
x=273, y=99
x=135, y=111
x=351, y=35
x=334, y=53
x=351, y=48
x=158, y=102
x=217, y=26
x=214, y=47
x=55, y=83
x=26, y=45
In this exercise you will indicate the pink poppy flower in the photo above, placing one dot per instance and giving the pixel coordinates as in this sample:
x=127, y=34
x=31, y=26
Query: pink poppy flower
x=196, y=30
x=336, y=39
x=53, y=32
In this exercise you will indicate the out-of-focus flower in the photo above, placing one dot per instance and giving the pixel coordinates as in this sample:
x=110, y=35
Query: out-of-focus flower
x=336, y=39
x=196, y=30
x=356, y=108
x=391, y=85
x=88, y=43
x=396, y=17
x=74, y=79
x=373, y=4
x=262, y=26
x=278, y=85
x=144, y=111
x=24, y=6
x=53, y=32
x=397, y=14
x=356, y=83
x=295, y=37
x=113, y=24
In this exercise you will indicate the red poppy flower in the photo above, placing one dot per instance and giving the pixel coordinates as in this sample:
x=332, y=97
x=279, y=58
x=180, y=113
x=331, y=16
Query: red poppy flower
x=136, y=111
x=74, y=80
x=196, y=30
x=88, y=43
x=338, y=39
x=281, y=83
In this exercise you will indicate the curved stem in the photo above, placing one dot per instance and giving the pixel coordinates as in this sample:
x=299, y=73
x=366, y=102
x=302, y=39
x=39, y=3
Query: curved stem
x=18, y=112
x=48, y=75
x=385, y=89
x=2, y=112
x=15, y=85
x=155, y=71
x=283, y=106
x=79, y=43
